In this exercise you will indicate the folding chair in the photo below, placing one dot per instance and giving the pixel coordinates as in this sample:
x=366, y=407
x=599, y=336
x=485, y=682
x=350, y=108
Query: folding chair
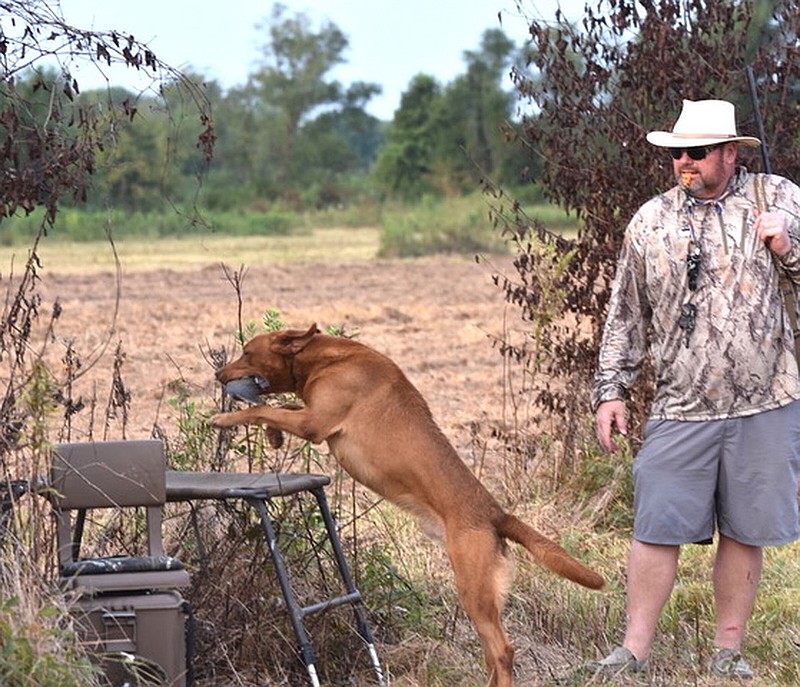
x=257, y=489
x=127, y=605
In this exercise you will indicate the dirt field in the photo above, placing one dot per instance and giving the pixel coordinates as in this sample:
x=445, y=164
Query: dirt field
x=434, y=316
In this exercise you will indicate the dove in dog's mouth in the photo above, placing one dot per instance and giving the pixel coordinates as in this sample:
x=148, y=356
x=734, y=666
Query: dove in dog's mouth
x=248, y=389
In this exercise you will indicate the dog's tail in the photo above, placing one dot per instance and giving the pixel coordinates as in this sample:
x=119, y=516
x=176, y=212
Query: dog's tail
x=548, y=553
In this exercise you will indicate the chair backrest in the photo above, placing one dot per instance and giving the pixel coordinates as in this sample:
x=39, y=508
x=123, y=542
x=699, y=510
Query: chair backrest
x=107, y=474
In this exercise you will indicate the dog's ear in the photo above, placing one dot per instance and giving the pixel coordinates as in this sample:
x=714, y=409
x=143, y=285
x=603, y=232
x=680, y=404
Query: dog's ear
x=294, y=341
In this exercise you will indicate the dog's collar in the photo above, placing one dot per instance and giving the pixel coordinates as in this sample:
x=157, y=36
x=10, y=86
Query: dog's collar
x=291, y=372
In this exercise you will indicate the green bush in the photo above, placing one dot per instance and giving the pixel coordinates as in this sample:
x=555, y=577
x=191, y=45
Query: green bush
x=36, y=650
x=458, y=225
x=453, y=225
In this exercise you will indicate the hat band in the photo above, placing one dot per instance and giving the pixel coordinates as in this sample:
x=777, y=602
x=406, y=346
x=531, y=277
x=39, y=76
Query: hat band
x=720, y=136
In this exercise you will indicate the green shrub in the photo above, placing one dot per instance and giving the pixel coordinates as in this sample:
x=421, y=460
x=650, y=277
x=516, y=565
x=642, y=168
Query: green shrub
x=455, y=225
x=461, y=225
x=35, y=647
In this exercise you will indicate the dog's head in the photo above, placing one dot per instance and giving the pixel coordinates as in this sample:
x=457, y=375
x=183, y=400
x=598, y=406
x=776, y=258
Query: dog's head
x=267, y=362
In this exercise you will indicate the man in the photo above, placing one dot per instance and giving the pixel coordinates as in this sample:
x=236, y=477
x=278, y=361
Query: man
x=697, y=288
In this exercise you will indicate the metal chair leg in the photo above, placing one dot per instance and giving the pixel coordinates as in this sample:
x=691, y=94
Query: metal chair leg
x=296, y=613
x=344, y=570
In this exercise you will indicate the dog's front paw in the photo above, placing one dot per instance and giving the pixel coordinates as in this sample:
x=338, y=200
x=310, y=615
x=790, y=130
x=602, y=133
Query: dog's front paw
x=221, y=420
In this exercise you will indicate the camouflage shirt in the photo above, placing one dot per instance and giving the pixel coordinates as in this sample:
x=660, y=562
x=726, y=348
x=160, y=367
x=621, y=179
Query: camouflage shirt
x=735, y=355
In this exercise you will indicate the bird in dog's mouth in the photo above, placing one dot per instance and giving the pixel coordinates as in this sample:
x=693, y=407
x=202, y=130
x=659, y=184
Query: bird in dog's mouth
x=249, y=389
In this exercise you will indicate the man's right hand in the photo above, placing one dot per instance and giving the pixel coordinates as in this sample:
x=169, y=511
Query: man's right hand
x=611, y=416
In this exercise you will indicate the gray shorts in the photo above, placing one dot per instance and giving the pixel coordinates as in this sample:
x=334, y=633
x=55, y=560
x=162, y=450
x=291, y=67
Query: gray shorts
x=739, y=476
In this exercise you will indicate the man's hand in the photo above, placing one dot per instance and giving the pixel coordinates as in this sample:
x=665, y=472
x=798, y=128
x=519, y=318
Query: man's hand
x=611, y=416
x=771, y=229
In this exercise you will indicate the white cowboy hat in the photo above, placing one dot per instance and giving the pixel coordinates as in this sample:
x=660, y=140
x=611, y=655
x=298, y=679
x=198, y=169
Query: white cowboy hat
x=702, y=123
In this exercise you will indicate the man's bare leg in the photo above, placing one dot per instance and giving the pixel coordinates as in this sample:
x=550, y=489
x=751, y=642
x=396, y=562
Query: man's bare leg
x=651, y=577
x=737, y=573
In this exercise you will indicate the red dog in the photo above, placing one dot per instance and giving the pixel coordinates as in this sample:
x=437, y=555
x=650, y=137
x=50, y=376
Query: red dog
x=381, y=431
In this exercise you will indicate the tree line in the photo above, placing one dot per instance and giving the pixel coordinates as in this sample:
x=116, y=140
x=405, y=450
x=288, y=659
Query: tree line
x=292, y=136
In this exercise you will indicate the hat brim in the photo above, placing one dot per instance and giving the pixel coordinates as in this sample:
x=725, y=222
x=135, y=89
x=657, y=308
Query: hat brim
x=668, y=139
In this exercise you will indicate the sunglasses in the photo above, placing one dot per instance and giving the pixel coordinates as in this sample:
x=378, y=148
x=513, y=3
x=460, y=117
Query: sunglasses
x=695, y=153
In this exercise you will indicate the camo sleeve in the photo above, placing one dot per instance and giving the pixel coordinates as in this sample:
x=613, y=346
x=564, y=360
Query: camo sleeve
x=624, y=343
x=784, y=196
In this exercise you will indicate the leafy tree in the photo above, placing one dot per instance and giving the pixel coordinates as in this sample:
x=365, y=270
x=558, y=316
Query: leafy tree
x=474, y=110
x=147, y=157
x=406, y=161
x=336, y=146
x=245, y=160
x=588, y=122
x=134, y=172
x=291, y=129
x=50, y=137
x=363, y=132
x=443, y=139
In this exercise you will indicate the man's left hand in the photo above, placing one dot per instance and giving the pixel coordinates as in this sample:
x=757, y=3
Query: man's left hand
x=771, y=229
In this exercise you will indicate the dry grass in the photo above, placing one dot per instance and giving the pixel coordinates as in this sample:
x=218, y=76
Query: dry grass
x=191, y=252
x=37, y=640
x=426, y=641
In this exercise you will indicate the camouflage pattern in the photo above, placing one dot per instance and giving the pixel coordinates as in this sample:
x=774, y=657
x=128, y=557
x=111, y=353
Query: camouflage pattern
x=121, y=564
x=739, y=358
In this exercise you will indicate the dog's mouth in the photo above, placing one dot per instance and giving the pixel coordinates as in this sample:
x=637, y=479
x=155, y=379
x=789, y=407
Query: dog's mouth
x=249, y=389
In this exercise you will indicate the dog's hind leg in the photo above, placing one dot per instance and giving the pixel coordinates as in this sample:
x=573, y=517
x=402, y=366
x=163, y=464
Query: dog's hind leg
x=481, y=574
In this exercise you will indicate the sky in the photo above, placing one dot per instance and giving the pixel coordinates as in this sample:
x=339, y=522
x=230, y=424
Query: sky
x=390, y=41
